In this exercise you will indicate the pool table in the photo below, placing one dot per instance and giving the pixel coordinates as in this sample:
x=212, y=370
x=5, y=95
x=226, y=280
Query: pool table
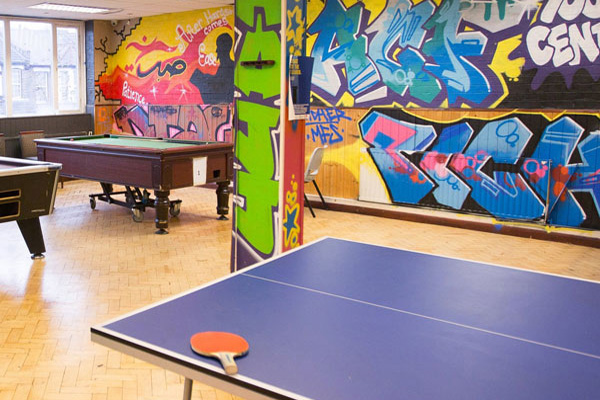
x=27, y=191
x=158, y=164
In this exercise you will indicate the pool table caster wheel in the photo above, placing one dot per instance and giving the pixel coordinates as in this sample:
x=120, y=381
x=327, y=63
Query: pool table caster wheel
x=92, y=203
x=37, y=256
x=222, y=218
x=175, y=209
x=162, y=231
x=137, y=215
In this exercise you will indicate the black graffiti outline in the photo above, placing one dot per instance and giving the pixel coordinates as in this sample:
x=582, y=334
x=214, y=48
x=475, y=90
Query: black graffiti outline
x=178, y=67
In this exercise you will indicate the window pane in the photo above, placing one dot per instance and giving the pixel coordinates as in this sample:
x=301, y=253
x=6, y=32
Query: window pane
x=42, y=82
x=68, y=64
x=31, y=54
x=17, y=78
x=2, y=72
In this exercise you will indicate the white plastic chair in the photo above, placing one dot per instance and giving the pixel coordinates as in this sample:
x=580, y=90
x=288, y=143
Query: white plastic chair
x=312, y=169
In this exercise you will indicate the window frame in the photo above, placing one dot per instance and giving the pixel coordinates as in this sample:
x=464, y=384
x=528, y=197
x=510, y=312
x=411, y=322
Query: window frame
x=53, y=77
x=81, y=67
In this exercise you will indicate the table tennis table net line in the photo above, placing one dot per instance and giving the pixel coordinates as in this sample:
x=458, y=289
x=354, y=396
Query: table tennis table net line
x=504, y=335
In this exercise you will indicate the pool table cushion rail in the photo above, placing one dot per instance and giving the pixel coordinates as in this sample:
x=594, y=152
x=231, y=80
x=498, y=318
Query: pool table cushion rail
x=156, y=169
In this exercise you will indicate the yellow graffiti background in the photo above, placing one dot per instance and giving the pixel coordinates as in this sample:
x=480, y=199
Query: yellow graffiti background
x=165, y=28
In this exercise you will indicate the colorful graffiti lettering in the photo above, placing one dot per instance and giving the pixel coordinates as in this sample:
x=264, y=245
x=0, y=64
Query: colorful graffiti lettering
x=258, y=131
x=206, y=123
x=291, y=217
x=323, y=125
x=454, y=53
x=172, y=59
x=517, y=167
x=563, y=32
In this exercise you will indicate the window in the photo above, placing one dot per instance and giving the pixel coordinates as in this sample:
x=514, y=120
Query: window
x=45, y=67
x=68, y=68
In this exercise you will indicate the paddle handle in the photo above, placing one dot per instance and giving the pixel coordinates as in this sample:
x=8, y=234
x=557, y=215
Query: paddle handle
x=228, y=362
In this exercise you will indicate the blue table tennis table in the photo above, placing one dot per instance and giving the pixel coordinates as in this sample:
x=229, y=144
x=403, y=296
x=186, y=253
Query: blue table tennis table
x=337, y=319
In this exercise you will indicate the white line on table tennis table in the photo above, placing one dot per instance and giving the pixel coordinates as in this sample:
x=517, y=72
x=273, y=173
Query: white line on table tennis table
x=504, y=335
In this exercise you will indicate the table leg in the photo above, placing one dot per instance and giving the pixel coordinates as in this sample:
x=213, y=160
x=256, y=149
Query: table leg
x=187, y=389
x=32, y=233
x=223, y=199
x=161, y=206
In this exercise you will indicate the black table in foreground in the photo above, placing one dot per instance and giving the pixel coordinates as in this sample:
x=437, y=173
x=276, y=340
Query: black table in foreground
x=27, y=191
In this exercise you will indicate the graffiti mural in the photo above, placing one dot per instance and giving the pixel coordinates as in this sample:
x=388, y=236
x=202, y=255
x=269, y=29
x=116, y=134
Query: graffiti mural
x=323, y=126
x=517, y=166
x=256, y=234
x=201, y=122
x=456, y=53
x=170, y=59
x=291, y=216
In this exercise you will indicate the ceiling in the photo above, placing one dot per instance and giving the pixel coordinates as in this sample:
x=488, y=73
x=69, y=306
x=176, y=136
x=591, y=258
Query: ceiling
x=124, y=9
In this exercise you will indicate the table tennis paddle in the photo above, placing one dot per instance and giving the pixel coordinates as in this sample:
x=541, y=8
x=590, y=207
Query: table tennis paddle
x=222, y=345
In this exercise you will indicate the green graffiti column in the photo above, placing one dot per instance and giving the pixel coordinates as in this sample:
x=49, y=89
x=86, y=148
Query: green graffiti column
x=256, y=212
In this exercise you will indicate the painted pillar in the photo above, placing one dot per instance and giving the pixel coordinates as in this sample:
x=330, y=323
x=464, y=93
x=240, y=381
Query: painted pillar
x=269, y=149
x=293, y=144
x=258, y=132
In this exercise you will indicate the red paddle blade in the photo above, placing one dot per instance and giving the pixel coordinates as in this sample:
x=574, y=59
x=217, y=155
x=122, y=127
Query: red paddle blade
x=217, y=342
x=222, y=345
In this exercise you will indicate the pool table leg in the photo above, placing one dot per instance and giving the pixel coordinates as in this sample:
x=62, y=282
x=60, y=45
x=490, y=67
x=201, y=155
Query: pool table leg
x=161, y=206
x=223, y=199
x=32, y=233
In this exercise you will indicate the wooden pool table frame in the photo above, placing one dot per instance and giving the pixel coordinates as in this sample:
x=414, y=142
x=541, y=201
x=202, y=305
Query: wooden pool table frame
x=161, y=170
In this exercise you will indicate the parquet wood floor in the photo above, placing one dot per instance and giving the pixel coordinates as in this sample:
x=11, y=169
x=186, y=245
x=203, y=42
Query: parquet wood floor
x=100, y=264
